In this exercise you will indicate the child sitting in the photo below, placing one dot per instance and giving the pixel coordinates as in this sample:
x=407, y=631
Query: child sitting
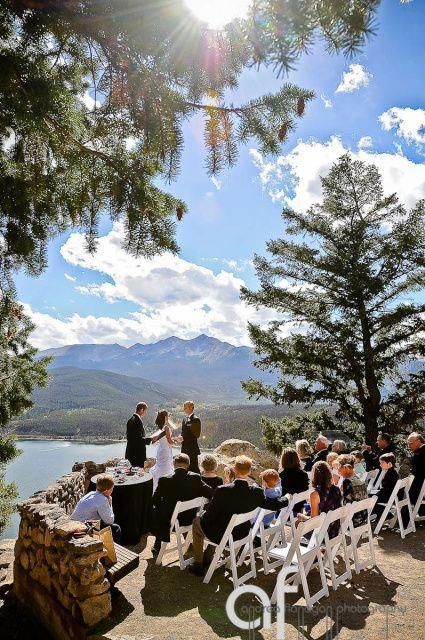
x=359, y=468
x=353, y=488
x=228, y=475
x=387, y=463
x=270, y=482
x=208, y=464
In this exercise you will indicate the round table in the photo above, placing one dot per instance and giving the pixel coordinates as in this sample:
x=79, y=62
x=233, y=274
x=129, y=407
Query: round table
x=132, y=503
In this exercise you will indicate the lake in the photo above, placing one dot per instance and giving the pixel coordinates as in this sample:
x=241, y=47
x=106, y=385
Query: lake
x=44, y=461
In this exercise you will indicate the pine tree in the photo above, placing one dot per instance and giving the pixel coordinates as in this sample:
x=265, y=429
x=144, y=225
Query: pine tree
x=348, y=275
x=93, y=97
x=19, y=374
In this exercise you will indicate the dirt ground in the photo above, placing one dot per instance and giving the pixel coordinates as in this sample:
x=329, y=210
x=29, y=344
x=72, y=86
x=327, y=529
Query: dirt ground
x=164, y=603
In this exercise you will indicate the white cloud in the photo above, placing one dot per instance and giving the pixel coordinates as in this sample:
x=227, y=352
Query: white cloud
x=70, y=278
x=408, y=123
x=326, y=102
x=294, y=179
x=353, y=79
x=365, y=142
x=88, y=101
x=172, y=297
x=216, y=182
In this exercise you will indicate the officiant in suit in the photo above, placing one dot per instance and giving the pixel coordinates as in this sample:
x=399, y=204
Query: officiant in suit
x=135, y=451
x=191, y=430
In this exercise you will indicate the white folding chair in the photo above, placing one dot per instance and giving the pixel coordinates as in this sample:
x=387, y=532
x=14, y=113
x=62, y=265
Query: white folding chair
x=419, y=503
x=337, y=546
x=394, y=507
x=376, y=483
x=297, y=498
x=227, y=550
x=358, y=533
x=183, y=533
x=299, y=559
x=270, y=537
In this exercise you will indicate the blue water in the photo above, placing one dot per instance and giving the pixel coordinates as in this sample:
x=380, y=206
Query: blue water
x=44, y=461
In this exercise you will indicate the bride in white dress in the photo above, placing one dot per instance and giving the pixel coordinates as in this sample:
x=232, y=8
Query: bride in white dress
x=164, y=455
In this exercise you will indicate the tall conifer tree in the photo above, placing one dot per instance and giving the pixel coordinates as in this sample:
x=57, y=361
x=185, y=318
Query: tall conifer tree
x=349, y=276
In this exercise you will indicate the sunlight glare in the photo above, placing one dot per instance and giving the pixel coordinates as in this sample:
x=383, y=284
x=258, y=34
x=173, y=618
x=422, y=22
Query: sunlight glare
x=218, y=13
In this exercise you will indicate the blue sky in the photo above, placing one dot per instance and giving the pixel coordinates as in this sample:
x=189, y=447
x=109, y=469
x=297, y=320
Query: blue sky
x=114, y=298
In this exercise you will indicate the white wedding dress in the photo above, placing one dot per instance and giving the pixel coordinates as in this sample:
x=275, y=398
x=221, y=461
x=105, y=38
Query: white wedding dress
x=164, y=461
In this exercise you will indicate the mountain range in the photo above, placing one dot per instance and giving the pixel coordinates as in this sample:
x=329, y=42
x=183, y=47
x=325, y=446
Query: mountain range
x=204, y=366
x=94, y=387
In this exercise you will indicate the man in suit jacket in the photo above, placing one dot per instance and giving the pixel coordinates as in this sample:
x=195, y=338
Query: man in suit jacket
x=416, y=444
x=135, y=451
x=322, y=448
x=182, y=485
x=191, y=430
x=237, y=497
x=384, y=444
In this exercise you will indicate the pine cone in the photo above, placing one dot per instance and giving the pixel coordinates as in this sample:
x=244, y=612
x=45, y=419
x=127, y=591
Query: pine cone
x=282, y=132
x=179, y=213
x=300, y=106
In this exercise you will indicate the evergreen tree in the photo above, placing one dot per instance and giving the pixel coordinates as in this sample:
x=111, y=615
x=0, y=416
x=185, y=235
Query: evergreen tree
x=93, y=97
x=348, y=276
x=19, y=374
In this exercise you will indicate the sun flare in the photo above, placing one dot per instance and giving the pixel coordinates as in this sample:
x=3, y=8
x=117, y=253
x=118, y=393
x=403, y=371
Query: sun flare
x=218, y=13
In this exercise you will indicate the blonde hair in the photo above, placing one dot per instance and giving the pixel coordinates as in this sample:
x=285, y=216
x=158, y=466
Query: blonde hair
x=104, y=482
x=303, y=447
x=270, y=477
x=243, y=465
x=189, y=403
x=331, y=457
x=346, y=460
x=228, y=471
x=208, y=462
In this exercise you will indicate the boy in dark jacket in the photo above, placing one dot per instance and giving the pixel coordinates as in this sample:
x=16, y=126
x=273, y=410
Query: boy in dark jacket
x=387, y=463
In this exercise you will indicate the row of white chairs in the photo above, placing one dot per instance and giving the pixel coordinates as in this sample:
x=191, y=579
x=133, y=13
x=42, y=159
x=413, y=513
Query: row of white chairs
x=297, y=548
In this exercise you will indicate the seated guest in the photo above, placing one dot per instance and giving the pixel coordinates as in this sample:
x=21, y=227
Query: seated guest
x=339, y=447
x=228, y=475
x=182, y=485
x=416, y=444
x=293, y=479
x=303, y=449
x=332, y=460
x=208, y=464
x=322, y=449
x=384, y=444
x=237, y=497
x=325, y=497
x=387, y=464
x=359, y=468
x=270, y=482
x=97, y=505
x=353, y=488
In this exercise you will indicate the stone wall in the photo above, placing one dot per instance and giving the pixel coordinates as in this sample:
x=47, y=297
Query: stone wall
x=57, y=576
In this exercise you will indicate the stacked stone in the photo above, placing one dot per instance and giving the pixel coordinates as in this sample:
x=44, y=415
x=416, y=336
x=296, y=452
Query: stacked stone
x=60, y=577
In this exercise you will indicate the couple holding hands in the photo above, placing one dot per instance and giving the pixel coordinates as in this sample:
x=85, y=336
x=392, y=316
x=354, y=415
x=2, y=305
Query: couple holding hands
x=137, y=440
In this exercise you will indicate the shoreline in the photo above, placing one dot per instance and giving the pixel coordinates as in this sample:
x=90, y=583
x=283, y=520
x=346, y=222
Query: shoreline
x=86, y=440
x=82, y=440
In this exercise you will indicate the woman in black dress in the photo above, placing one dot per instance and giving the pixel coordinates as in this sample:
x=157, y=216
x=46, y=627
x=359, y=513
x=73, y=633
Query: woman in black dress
x=292, y=477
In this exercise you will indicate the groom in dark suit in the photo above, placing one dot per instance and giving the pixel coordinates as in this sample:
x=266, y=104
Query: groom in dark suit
x=135, y=451
x=191, y=430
